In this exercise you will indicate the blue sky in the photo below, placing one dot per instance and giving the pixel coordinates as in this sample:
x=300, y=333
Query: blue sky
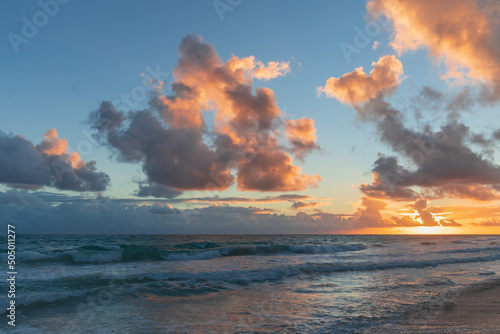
x=94, y=51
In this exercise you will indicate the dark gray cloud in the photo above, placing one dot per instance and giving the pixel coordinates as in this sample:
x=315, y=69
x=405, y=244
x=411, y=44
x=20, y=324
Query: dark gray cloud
x=164, y=209
x=430, y=94
x=61, y=198
x=24, y=165
x=156, y=190
x=39, y=212
x=496, y=134
x=303, y=205
x=440, y=162
x=480, y=139
x=176, y=158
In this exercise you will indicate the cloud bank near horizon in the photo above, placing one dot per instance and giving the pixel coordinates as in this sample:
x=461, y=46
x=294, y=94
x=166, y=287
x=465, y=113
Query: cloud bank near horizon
x=43, y=212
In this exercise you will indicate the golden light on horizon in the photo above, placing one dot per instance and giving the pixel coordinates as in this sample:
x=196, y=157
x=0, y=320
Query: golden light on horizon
x=429, y=230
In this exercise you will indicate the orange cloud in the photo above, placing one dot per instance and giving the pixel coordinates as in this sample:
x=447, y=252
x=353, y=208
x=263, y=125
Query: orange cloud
x=423, y=216
x=369, y=215
x=274, y=171
x=461, y=33
x=302, y=135
x=468, y=212
x=405, y=221
x=357, y=87
x=183, y=153
x=256, y=69
x=491, y=222
x=181, y=113
x=52, y=144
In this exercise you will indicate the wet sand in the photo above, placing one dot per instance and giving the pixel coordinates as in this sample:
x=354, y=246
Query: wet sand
x=473, y=310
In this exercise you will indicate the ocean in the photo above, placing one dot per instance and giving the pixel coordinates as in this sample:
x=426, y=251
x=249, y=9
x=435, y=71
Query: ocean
x=237, y=283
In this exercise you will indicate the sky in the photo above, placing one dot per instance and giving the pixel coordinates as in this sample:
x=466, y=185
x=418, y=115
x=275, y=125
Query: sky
x=237, y=116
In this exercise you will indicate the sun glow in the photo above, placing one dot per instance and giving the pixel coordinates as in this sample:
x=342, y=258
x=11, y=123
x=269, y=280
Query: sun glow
x=427, y=230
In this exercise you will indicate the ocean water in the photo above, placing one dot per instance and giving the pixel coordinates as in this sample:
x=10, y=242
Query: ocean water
x=236, y=283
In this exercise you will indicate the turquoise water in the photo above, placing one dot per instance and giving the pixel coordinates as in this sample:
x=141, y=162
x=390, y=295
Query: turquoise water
x=236, y=284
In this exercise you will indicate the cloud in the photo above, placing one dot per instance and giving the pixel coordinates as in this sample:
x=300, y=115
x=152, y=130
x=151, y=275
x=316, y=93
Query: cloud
x=476, y=192
x=439, y=162
x=369, y=214
x=164, y=209
x=284, y=198
x=384, y=175
x=429, y=161
x=405, y=221
x=43, y=212
x=39, y=212
x=61, y=198
x=49, y=163
x=256, y=69
x=52, y=144
x=156, y=190
x=178, y=148
x=468, y=212
x=449, y=223
x=181, y=112
x=273, y=171
x=302, y=135
x=487, y=223
x=496, y=134
x=357, y=87
x=423, y=217
x=464, y=34
x=302, y=205
x=287, y=197
x=266, y=199
x=426, y=218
